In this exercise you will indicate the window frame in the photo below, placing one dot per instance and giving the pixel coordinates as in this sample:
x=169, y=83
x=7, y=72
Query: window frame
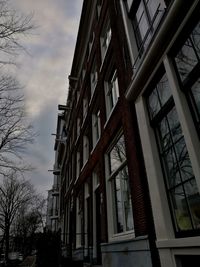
x=164, y=111
x=111, y=202
x=193, y=76
x=96, y=127
x=111, y=92
x=105, y=38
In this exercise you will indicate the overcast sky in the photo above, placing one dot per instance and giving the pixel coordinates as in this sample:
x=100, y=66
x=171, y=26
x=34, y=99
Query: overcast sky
x=44, y=71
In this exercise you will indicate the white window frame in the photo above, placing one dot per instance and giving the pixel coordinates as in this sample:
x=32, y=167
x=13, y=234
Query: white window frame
x=95, y=184
x=85, y=107
x=96, y=127
x=86, y=151
x=112, y=235
x=111, y=92
x=78, y=164
x=105, y=39
x=78, y=223
x=86, y=196
x=78, y=127
x=93, y=77
x=160, y=205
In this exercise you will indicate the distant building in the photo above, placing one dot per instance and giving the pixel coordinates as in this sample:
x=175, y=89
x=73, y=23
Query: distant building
x=53, y=201
x=129, y=165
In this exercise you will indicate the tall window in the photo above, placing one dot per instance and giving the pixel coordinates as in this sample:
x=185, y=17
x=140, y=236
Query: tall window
x=93, y=77
x=96, y=127
x=187, y=62
x=105, y=38
x=118, y=180
x=85, y=149
x=78, y=164
x=111, y=92
x=79, y=221
x=180, y=182
x=146, y=15
x=85, y=107
x=78, y=126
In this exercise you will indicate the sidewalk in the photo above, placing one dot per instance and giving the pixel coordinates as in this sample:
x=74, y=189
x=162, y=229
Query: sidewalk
x=28, y=262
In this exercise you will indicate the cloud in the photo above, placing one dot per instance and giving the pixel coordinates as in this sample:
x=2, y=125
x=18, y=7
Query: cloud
x=43, y=72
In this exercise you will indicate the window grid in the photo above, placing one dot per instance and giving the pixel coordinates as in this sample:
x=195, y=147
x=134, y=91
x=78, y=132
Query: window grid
x=179, y=178
x=119, y=182
x=187, y=65
x=112, y=92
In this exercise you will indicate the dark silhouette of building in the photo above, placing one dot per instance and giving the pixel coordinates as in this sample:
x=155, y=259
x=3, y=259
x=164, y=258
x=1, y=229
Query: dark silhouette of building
x=129, y=161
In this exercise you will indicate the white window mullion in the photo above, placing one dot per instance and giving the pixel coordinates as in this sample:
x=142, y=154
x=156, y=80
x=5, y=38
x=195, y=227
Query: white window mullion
x=186, y=121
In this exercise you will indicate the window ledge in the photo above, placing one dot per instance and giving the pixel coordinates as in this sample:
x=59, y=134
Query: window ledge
x=122, y=237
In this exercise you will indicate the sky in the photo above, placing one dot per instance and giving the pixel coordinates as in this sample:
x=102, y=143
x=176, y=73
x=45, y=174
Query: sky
x=43, y=71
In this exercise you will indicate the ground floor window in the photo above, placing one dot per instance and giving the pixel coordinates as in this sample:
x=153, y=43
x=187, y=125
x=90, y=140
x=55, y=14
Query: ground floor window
x=180, y=181
x=118, y=183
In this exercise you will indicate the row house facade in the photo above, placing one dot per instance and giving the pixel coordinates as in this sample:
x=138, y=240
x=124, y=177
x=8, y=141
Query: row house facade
x=53, y=198
x=128, y=159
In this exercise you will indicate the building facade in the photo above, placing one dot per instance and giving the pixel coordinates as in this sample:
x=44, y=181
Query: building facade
x=129, y=164
x=164, y=44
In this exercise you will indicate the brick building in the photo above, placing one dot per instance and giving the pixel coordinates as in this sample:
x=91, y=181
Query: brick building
x=130, y=165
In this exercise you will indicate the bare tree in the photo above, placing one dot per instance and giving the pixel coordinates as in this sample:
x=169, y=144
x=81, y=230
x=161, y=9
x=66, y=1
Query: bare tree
x=12, y=27
x=15, y=131
x=14, y=194
x=27, y=223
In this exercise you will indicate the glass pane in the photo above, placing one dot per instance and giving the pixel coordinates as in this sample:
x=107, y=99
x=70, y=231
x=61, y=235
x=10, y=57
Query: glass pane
x=118, y=204
x=115, y=90
x=193, y=197
x=152, y=6
x=164, y=135
x=159, y=96
x=164, y=90
x=186, y=59
x=183, y=160
x=195, y=37
x=196, y=94
x=117, y=155
x=171, y=168
x=142, y=20
x=154, y=104
x=175, y=128
x=128, y=215
x=181, y=209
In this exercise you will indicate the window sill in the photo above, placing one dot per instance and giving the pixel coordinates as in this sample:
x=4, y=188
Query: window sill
x=122, y=236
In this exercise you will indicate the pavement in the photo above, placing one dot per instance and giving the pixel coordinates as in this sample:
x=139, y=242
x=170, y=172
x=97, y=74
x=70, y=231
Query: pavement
x=28, y=262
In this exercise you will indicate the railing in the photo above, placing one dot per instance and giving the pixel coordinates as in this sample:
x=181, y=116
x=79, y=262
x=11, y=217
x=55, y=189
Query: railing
x=83, y=253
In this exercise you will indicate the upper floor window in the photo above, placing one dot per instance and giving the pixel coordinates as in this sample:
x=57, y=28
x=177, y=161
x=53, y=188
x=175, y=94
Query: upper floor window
x=187, y=62
x=119, y=189
x=85, y=107
x=145, y=15
x=85, y=149
x=78, y=164
x=78, y=126
x=79, y=221
x=98, y=8
x=111, y=91
x=93, y=77
x=96, y=127
x=105, y=38
x=181, y=186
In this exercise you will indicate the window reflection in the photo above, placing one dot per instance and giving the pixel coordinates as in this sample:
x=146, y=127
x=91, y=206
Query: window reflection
x=121, y=195
x=180, y=181
x=189, y=55
x=159, y=96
